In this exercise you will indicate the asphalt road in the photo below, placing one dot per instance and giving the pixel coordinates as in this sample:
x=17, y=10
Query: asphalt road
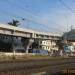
x=29, y=67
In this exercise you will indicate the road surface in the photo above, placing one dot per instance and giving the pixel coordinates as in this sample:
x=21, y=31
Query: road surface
x=32, y=67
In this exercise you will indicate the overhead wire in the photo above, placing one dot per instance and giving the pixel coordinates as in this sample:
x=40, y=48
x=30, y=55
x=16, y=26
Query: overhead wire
x=65, y=5
x=29, y=20
x=28, y=12
x=18, y=16
x=69, y=8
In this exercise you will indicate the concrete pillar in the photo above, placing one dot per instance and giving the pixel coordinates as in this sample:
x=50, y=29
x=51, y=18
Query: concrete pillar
x=61, y=53
x=13, y=47
x=27, y=43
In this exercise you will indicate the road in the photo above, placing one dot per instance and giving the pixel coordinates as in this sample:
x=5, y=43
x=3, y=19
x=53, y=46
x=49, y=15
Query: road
x=30, y=67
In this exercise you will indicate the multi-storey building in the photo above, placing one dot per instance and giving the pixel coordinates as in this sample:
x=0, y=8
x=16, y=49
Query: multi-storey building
x=48, y=45
x=45, y=45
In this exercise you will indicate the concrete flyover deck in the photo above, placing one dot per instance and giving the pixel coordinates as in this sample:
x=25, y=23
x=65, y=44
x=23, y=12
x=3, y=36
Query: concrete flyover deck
x=23, y=32
x=31, y=67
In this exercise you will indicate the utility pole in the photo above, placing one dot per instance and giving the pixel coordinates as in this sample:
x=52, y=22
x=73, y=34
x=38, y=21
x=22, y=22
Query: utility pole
x=71, y=27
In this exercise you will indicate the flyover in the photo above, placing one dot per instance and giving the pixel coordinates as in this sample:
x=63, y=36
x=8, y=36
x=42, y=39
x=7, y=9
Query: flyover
x=27, y=35
x=23, y=32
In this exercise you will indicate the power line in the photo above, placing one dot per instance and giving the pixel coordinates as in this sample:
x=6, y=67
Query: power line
x=29, y=20
x=28, y=12
x=65, y=5
x=22, y=8
x=10, y=14
x=61, y=1
x=60, y=26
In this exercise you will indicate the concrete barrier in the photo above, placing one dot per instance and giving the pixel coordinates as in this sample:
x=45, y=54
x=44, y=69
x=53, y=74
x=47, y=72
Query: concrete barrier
x=10, y=54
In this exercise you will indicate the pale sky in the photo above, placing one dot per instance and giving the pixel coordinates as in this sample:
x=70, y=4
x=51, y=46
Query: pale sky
x=41, y=15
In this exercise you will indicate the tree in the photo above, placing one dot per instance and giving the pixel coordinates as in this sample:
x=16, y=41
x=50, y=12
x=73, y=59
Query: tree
x=14, y=23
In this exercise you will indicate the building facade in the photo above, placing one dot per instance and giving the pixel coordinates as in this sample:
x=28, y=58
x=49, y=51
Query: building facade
x=49, y=45
x=69, y=39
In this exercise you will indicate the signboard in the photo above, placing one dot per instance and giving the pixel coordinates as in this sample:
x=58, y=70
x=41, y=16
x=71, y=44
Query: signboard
x=67, y=48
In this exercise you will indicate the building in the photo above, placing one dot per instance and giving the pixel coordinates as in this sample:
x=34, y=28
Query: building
x=69, y=39
x=45, y=45
x=49, y=45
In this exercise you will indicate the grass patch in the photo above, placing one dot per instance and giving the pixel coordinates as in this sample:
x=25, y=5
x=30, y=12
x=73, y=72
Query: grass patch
x=27, y=57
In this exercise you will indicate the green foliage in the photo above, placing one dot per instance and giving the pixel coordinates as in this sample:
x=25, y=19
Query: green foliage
x=14, y=23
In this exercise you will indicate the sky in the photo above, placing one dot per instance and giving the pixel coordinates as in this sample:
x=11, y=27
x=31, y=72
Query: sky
x=41, y=15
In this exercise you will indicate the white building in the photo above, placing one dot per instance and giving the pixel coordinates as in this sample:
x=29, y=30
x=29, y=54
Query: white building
x=48, y=45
